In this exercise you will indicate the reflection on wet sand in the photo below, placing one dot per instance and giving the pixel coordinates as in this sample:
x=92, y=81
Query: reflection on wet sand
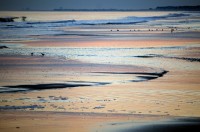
x=87, y=77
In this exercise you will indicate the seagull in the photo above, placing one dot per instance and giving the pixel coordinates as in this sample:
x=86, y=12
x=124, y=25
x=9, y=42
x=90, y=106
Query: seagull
x=42, y=54
x=172, y=30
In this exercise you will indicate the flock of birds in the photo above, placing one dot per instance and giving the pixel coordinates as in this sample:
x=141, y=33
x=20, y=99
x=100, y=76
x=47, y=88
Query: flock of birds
x=171, y=29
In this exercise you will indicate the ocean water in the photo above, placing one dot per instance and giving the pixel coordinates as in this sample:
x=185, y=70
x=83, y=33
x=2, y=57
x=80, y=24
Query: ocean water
x=93, y=26
x=51, y=23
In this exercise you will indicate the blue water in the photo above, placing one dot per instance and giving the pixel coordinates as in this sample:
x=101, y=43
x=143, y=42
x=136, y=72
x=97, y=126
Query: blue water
x=124, y=20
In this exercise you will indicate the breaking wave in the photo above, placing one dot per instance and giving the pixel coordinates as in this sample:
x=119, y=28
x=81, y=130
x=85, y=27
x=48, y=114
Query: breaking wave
x=125, y=20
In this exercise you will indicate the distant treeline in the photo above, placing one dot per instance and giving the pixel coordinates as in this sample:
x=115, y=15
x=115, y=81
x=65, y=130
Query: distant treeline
x=178, y=8
x=163, y=8
x=94, y=10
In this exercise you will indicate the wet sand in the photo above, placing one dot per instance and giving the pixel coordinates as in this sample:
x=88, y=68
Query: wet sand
x=93, y=122
x=112, y=43
x=53, y=93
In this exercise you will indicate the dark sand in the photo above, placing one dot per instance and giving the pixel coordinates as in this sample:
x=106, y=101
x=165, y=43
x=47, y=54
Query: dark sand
x=173, y=125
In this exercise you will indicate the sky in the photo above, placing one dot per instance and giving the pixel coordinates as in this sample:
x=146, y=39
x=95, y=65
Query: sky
x=91, y=4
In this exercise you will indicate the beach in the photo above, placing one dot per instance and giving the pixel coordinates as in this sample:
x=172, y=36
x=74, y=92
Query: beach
x=112, y=71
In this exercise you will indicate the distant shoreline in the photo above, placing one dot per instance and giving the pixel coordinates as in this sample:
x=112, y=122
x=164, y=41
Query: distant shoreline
x=162, y=8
